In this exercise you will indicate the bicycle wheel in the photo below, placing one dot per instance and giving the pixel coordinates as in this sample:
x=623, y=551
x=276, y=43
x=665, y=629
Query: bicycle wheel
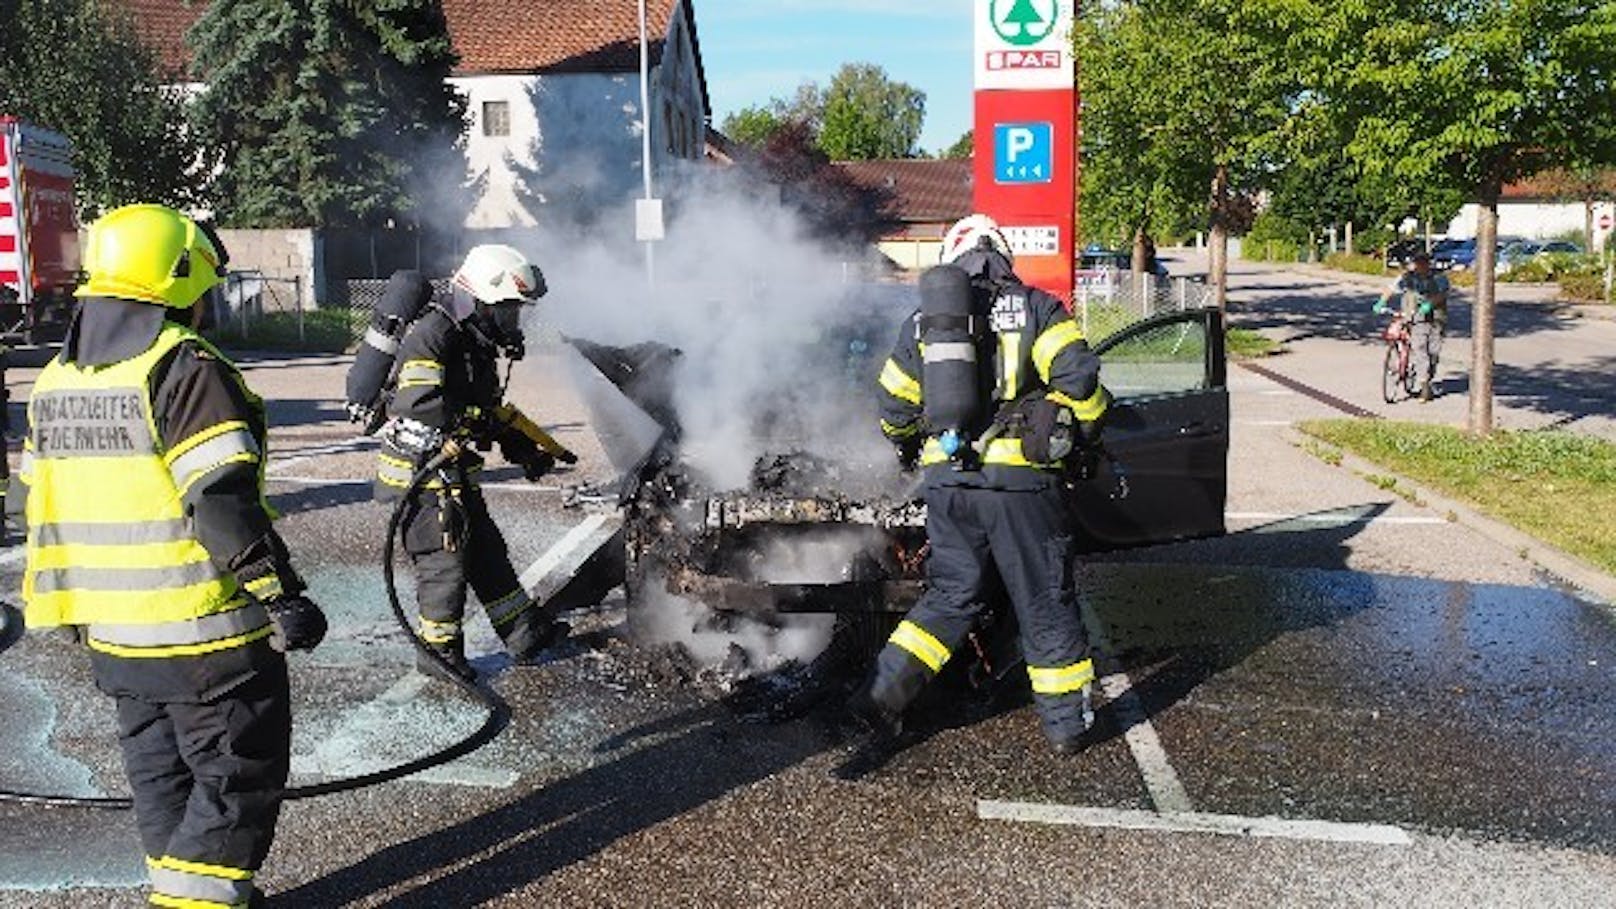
x=1391, y=377
x=1411, y=382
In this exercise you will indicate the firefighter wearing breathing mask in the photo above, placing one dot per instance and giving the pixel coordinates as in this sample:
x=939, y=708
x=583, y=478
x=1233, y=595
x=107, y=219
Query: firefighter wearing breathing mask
x=990, y=387
x=149, y=536
x=449, y=392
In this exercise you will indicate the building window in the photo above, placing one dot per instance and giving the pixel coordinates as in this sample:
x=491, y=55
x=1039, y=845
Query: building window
x=667, y=123
x=496, y=118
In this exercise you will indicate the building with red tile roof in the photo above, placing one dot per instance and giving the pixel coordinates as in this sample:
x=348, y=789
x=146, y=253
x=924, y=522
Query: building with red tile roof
x=553, y=95
x=922, y=198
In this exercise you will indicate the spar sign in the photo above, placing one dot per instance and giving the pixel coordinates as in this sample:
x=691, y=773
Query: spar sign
x=1026, y=123
x=1024, y=44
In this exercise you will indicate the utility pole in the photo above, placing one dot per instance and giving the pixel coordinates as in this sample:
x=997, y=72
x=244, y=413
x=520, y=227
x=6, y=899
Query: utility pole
x=642, y=229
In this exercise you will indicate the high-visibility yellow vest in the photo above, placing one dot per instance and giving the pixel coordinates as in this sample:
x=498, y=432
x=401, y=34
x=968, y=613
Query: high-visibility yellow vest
x=109, y=544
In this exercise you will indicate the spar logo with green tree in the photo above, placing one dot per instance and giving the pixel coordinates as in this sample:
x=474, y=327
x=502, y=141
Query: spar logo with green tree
x=1021, y=22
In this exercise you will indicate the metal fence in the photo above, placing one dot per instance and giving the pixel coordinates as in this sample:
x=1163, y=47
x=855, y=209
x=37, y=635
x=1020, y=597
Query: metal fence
x=1105, y=307
x=252, y=300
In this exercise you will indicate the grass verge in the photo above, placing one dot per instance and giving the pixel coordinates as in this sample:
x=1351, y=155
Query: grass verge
x=1243, y=343
x=1557, y=486
x=328, y=330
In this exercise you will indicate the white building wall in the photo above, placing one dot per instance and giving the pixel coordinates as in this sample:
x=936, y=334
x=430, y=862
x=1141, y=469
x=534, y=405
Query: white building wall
x=1536, y=220
x=575, y=144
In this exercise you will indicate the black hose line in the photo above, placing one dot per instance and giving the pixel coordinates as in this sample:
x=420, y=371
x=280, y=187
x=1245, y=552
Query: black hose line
x=499, y=712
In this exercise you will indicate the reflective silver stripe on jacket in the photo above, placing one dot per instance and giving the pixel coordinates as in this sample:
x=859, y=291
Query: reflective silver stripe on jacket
x=952, y=352
x=210, y=454
x=250, y=617
x=91, y=534
x=185, y=885
x=90, y=423
x=382, y=342
x=74, y=577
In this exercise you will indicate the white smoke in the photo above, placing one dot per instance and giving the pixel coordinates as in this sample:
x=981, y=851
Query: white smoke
x=758, y=308
x=713, y=638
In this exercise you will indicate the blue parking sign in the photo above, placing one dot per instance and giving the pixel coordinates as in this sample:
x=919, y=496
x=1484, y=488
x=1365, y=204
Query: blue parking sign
x=1023, y=152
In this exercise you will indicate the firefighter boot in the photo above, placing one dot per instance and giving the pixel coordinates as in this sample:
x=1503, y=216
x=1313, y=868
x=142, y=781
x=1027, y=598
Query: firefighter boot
x=453, y=654
x=1068, y=725
x=532, y=634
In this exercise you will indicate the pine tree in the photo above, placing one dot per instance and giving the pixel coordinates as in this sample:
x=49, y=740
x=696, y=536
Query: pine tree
x=330, y=113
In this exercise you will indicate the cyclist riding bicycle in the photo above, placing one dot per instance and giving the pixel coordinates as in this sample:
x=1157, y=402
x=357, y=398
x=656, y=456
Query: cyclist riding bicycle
x=1424, y=296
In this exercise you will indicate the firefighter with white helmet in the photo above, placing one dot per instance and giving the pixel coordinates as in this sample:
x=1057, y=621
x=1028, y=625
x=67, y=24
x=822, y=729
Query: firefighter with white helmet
x=149, y=535
x=448, y=387
x=989, y=389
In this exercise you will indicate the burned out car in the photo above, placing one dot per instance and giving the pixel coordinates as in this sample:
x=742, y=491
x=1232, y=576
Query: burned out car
x=843, y=532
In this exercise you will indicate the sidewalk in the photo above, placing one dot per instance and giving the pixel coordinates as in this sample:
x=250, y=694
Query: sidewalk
x=1271, y=470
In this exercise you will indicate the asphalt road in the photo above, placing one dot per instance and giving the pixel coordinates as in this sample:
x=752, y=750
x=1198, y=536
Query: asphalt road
x=1348, y=701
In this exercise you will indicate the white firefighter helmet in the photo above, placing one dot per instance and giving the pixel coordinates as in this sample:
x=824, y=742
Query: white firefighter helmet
x=495, y=273
x=974, y=232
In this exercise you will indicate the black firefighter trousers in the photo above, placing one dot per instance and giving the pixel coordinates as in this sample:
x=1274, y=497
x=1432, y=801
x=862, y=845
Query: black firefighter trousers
x=207, y=781
x=1027, y=535
x=481, y=561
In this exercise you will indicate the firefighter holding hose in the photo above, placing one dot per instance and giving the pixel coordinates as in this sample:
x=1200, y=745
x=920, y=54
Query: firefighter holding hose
x=448, y=393
x=149, y=536
x=990, y=388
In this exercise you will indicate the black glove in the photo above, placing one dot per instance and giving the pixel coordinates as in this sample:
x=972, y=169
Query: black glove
x=525, y=453
x=299, y=624
x=909, y=453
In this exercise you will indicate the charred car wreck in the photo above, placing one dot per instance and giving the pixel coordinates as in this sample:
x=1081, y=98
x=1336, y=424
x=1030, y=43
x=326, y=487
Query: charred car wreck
x=811, y=533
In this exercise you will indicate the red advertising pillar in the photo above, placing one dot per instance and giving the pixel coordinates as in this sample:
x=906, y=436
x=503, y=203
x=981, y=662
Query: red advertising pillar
x=1026, y=133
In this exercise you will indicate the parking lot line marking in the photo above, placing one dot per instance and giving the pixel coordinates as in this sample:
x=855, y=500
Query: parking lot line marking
x=568, y=554
x=1331, y=519
x=1192, y=822
x=330, y=481
x=304, y=455
x=1161, y=781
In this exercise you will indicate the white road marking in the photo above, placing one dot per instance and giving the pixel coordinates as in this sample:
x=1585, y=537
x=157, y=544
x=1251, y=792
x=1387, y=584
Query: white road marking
x=1332, y=519
x=360, y=744
x=561, y=561
x=1161, y=781
x=337, y=481
x=304, y=455
x=1192, y=822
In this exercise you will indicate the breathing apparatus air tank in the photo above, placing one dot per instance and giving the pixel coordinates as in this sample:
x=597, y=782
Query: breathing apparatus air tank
x=405, y=297
x=949, y=334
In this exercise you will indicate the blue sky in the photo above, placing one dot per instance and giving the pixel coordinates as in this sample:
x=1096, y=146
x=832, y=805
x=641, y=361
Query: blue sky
x=755, y=50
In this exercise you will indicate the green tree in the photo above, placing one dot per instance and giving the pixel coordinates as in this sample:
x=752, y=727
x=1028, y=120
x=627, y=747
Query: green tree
x=330, y=114
x=867, y=115
x=753, y=126
x=1473, y=95
x=72, y=66
x=963, y=147
x=1185, y=109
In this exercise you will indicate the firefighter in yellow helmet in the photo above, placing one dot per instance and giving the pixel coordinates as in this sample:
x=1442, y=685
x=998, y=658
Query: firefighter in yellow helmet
x=148, y=533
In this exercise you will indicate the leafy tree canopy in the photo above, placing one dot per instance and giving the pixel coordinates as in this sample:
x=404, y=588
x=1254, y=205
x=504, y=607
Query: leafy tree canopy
x=331, y=115
x=72, y=66
x=860, y=114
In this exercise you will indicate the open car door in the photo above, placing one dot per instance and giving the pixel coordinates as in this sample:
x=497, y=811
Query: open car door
x=1167, y=435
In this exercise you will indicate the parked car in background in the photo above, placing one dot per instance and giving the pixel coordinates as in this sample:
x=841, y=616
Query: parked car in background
x=1560, y=247
x=1399, y=254
x=1107, y=272
x=1463, y=255
x=1514, y=255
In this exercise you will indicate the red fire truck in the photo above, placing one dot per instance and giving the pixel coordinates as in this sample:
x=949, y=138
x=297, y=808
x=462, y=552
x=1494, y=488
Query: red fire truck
x=39, y=234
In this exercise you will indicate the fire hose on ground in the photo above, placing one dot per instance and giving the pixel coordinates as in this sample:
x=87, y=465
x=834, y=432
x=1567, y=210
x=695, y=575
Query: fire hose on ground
x=495, y=722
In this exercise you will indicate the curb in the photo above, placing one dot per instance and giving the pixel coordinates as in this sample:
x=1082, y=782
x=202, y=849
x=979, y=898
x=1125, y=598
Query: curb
x=1589, y=582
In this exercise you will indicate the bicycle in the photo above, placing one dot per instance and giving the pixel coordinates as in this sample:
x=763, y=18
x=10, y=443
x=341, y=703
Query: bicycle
x=1397, y=375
